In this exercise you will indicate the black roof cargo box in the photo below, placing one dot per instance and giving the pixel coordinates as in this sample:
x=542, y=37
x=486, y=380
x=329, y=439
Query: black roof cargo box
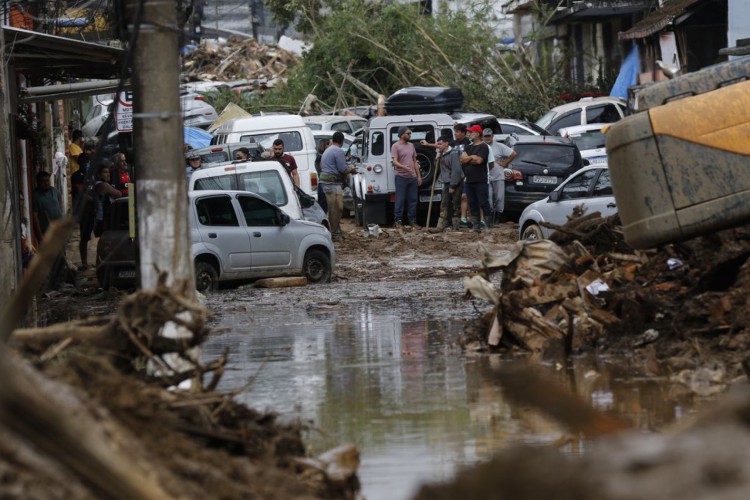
x=424, y=100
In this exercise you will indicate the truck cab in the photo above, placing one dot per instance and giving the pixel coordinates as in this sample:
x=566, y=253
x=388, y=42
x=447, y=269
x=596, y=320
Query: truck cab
x=373, y=186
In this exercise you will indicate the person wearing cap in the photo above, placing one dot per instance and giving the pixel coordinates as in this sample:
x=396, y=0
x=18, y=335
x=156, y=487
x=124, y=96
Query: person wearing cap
x=501, y=156
x=475, y=160
x=194, y=163
x=407, y=179
x=459, y=131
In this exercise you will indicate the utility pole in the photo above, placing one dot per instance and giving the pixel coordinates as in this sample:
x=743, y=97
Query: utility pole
x=9, y=200
x=161, y=187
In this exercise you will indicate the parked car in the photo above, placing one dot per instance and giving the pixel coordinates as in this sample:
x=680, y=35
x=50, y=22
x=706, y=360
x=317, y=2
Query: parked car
x=267, y=178
x=222, y=153
x=96, y=117
x=589, y=139
x=239, y=235
x=115, y=251
x=582, y=112
x=196, y=111
x=541, y=164
x=336, y=123
x=235, y=235
x=590, y=187
x=501, y=127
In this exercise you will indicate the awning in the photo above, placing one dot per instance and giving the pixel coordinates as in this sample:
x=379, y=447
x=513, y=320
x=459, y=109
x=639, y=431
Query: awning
x=658, y=19
x=57, y=58
x=583, y=11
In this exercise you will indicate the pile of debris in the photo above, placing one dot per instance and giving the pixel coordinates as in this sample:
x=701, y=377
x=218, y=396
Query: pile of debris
x=586, y=289
x=237, y=60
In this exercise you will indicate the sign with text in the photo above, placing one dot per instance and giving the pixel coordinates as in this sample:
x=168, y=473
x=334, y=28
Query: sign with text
x=124, y=113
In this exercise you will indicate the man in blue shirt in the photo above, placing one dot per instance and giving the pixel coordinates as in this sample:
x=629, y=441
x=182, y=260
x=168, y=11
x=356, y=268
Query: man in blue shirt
x=333, y=171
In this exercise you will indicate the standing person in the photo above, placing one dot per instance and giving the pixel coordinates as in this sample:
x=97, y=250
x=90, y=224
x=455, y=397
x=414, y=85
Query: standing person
x=475, y=159
x=285, y=159
x=27, y=249
x=76, y=148
x=333, y=170
x=83, y=206
x=194, y=163
x=452, y=179
x=460, y=131
x=46, y=204
x=408, y=178
x=121, y=177
x=323, y=144
x=501, y=155
x=104, y=193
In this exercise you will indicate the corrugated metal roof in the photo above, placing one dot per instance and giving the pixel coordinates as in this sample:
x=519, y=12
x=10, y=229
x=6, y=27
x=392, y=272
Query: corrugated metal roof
x=658, y=19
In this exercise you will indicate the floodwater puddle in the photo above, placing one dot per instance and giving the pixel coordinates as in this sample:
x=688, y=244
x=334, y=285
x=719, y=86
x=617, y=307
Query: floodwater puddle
x=388, y=376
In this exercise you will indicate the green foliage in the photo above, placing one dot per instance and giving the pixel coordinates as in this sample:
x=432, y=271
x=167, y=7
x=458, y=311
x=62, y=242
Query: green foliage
x=390, y=46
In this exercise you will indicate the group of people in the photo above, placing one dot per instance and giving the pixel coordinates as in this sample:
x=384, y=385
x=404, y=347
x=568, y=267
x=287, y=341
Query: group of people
x=470, y=173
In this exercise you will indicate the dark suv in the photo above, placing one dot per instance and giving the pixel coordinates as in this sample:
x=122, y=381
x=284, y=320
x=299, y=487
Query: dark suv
x=542, y=162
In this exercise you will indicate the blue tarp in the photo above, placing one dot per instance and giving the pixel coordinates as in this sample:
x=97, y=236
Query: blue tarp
x=197, y=138
x=628, y=76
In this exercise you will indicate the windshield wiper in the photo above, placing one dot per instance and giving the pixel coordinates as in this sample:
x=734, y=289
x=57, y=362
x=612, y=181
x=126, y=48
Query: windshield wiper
x=535, y=163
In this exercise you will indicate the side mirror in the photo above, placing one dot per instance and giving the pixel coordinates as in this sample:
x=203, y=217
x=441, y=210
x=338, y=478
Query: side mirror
x=282, y=218
x=586, y=162
x=554, y=196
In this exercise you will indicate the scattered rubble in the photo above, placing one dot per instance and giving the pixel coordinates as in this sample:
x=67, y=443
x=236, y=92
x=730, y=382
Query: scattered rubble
x=586, y=289
x=237, y=60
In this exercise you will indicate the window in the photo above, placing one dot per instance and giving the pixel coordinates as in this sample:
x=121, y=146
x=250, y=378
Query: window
x=602, y=114
x=258, y=212
x=214, y=157
x=314, y=126
x=342, y=127
x=546, y=155
x=593, y=139
x=216, y=211
x=512, y=129
x=220, y=182
x=266, y=183
x=292, y=140
x=603, y=186
x=447, y=132
x=568, y=120
x=578, y=187
x=378, y=144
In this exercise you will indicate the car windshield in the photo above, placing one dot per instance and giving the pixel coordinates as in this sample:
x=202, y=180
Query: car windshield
x=545, y=155
x=593, y=139
x=266, y=183
x=546, y=119
x=292, y=140
x=214, y=157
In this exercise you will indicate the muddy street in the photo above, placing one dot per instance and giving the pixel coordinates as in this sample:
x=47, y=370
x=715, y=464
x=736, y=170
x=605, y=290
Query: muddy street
x=372, y=359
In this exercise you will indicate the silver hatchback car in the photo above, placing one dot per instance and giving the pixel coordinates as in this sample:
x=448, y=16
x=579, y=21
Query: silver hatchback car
x=238, y=235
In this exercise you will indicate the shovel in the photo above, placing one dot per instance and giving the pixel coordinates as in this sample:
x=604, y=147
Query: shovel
x=432, y=189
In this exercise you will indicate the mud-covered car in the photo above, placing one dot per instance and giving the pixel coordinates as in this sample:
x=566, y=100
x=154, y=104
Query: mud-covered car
x=541, y=164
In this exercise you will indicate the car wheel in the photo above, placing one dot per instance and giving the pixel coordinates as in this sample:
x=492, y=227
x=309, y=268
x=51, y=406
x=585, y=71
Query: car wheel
x=206, y=277
x=426, y=168
x=317, y=266
x=532, y=232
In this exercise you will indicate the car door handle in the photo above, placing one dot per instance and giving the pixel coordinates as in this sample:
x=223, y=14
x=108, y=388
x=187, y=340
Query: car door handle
x=212, y=235
x=611, y=205
x=256, y=234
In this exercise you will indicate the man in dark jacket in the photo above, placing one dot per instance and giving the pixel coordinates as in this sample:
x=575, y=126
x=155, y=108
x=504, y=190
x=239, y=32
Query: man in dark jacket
x=452, y=180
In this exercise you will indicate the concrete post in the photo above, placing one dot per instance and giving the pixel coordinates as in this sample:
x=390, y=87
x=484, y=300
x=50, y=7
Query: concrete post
x=163, y=236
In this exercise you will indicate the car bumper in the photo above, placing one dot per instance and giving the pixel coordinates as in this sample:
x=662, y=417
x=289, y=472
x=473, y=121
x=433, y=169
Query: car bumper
x=516, y=201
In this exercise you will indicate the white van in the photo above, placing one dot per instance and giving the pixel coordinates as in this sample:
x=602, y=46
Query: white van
x=297, y=136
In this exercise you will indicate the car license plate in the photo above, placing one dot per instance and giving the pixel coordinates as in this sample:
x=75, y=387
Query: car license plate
x=126, y=274
x=597, y=159
x=543, y=179
x=424, y=198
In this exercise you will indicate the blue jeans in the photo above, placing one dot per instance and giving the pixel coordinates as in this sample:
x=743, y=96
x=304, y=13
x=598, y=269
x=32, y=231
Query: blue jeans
x=406, y=193
x=477, y=193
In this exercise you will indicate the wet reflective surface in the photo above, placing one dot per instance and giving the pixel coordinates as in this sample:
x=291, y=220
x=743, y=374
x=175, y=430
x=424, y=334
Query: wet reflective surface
x=374, y=370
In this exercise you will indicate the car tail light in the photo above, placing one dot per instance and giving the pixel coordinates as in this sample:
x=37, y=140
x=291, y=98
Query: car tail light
x=216, y=150
x=393, y=198
x=199, y=98
x=512, y=174
x=314, y=181
x=369, y=189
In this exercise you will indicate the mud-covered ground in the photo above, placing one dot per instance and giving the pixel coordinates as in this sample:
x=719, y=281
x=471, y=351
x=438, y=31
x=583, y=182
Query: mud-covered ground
x=688, y=320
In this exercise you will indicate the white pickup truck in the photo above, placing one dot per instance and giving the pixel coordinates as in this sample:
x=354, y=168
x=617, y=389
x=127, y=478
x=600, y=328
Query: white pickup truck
x=373, y=186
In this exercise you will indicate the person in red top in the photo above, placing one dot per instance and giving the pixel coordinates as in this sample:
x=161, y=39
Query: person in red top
x=121, y=177
x=285, y=159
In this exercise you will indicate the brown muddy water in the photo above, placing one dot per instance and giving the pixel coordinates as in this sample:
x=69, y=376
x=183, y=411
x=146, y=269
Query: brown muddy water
x=377, y=364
